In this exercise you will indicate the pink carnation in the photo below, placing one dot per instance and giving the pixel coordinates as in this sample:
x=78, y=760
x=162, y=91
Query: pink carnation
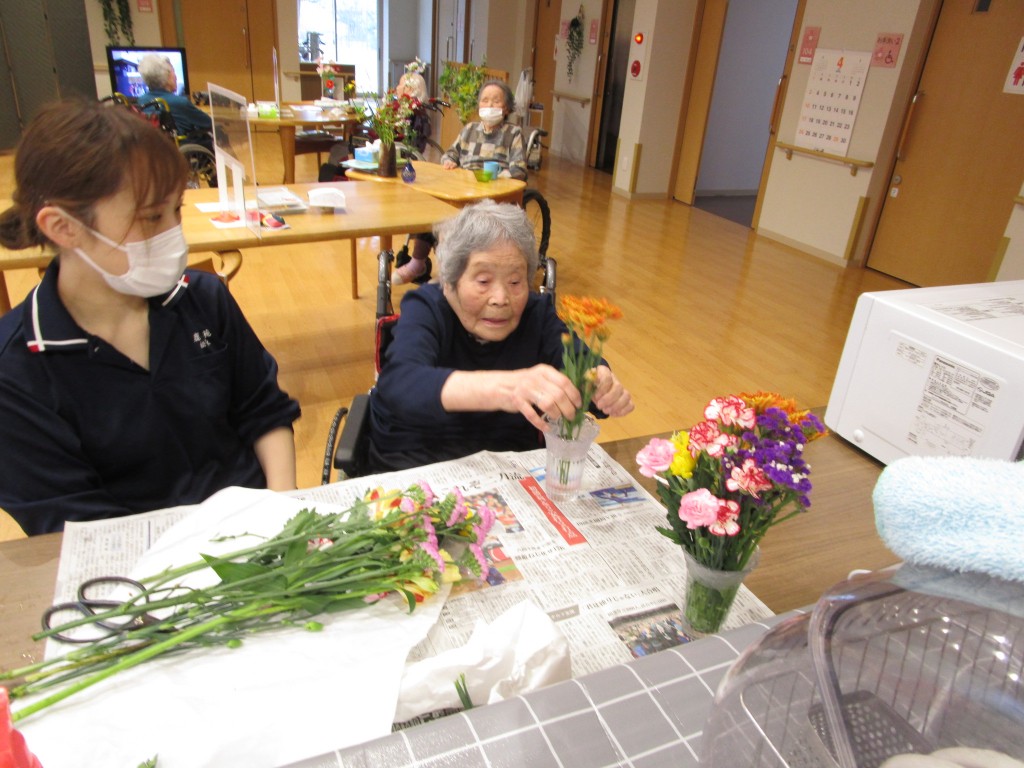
x=707, y=437
x=749, y=478
x=730, y=410
x=655, y=457
x=699, y=508
x=726, y=524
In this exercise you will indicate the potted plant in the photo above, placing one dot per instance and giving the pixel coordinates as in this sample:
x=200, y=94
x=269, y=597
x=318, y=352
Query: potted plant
x=117, y=21
x=460, y=83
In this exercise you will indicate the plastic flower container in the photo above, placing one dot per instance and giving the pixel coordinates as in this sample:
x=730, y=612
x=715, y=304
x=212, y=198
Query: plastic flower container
x=908, y=660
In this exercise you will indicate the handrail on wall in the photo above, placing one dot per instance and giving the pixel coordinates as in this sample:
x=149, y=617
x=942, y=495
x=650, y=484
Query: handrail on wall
x=570, y=97
x=854, y=165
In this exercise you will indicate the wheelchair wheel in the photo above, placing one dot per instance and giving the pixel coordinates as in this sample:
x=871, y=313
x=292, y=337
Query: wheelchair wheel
x=537, y=212
x=432, y=152
x=202, y=166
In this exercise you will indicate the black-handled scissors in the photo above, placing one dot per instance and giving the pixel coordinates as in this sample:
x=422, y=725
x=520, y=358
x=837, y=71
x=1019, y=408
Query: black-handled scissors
x=87, y=606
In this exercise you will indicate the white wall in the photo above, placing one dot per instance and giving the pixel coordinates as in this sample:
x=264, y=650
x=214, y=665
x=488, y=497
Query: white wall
x=810, y=203
x=1012, y=267
x=146, y=27
x=571, y=119
x=651, y=105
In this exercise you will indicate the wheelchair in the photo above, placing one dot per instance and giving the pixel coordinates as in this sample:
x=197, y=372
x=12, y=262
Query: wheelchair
x=202, y=163
x=348, y=451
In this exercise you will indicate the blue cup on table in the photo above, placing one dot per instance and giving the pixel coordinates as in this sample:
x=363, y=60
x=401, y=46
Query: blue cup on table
x=492, y=168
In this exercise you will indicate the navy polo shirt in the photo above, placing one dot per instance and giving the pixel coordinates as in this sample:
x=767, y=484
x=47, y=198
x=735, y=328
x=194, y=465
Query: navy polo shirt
x=409, y=426
x=86, y=433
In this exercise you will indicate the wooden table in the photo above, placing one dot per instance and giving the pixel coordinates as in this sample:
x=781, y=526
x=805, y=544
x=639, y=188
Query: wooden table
x=799, y=560
x=457, y=186
x=370, y=210
x=286, y=126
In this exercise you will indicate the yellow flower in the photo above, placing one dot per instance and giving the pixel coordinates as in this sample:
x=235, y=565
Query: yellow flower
x=451, y=570
x=381, y=502
x=683, y=463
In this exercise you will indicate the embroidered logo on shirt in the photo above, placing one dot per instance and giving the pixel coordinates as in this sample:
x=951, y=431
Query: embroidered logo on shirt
x=202, y=338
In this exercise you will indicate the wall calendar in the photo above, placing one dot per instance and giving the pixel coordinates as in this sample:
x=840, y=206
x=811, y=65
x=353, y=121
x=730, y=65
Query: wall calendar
x=831, y=101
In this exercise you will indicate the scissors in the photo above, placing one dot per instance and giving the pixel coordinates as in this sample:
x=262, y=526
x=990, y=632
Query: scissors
x=88, y=605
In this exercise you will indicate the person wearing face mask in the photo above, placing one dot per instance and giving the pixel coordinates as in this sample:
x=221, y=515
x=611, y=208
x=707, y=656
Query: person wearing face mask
x=491, y=139
x=127, y=383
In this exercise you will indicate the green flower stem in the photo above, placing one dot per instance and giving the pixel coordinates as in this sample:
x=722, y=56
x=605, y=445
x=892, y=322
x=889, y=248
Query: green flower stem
x=133, y=660
x=282, y=581
x=577, y=360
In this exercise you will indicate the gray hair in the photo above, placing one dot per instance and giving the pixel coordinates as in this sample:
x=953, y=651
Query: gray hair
x=510, y=98
x=480, y=227
x=156, y=71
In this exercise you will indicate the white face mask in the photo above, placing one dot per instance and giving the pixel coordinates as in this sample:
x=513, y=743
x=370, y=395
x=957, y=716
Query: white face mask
x=491, y=115
x=154, y=265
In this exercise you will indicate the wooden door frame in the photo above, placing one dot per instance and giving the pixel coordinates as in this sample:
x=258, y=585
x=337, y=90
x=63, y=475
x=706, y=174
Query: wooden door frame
x=780, y=102
x=708, y=31
x=604, y=34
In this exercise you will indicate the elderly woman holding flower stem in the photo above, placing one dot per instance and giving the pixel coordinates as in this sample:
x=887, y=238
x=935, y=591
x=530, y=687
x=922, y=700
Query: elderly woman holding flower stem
x=477, y=360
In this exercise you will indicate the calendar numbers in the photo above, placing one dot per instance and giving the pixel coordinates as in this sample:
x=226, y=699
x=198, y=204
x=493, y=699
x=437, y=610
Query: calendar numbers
x=831, y=100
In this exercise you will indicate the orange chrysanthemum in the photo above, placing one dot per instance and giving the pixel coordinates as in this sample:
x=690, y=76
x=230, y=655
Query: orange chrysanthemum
x=760, y=401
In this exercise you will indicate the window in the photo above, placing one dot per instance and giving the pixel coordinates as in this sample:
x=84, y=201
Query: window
x=345, y=31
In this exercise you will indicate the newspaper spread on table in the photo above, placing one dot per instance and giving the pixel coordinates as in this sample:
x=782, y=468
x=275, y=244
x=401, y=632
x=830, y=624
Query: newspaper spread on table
x=596, y=565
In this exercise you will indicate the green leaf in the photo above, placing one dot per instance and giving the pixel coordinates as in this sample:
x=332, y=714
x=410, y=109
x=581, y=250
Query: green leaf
x=231, y=572
x=460, y=688
x=151, y=763
x=296, y=552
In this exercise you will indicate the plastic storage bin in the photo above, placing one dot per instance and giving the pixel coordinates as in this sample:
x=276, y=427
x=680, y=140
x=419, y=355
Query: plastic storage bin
x=908, y=660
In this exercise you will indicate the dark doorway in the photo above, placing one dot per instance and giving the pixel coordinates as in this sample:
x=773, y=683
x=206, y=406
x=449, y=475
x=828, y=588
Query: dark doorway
x=614, y=84
x=755, y=41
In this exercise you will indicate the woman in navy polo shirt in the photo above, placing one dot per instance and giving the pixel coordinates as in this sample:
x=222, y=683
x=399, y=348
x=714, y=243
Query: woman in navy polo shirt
x=126, y=383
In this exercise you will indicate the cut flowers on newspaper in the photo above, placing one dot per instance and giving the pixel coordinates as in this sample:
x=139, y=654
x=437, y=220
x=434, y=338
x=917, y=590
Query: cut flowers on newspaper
x=731, y=477
x=587, y=320
x=389, y=543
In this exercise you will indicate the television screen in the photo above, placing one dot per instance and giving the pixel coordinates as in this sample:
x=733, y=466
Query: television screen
x=123, y=63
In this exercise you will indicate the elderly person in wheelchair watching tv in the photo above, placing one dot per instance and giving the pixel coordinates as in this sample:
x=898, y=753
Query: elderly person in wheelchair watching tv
x=474, y=363
x=162, y=83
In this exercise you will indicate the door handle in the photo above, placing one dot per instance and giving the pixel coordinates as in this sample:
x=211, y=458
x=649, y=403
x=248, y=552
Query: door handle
x=772, y=121
x=902, y=144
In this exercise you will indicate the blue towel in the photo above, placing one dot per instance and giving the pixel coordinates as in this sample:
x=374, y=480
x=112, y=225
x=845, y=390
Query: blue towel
x=961, y=514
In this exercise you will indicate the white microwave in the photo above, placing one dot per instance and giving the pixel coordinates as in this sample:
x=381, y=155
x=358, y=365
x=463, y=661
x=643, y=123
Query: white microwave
x=934, y=372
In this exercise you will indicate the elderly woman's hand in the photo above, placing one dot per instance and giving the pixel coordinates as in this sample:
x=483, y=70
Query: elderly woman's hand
x=610, y=396
x=447, y=163
x=543, y=391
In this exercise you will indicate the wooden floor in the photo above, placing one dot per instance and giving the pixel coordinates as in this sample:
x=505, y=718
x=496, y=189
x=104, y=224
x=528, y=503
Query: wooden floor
x=710, y=307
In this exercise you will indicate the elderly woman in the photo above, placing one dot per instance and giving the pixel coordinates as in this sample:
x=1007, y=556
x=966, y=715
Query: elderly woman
x=162, y=83
x=474, y=364
x=489, y=140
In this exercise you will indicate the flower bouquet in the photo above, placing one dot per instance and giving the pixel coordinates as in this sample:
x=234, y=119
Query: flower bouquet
x=389, y=545
x=388, y=119
x=725, y=482
x=568, y=439
x=328, y=71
